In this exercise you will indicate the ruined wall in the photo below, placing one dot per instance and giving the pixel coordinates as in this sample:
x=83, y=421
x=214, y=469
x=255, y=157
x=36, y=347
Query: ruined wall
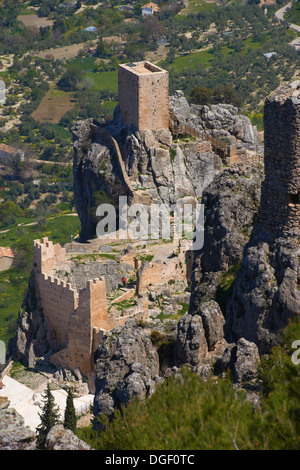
x=46, y=255
x=76, y=317
x=154, y=101
x=144, y=96
x=58, y=300
x=157, y=272
x=280, y=198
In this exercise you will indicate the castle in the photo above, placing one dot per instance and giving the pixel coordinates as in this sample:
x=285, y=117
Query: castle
x=280, y=202
x=77, y=318
x=144, y=96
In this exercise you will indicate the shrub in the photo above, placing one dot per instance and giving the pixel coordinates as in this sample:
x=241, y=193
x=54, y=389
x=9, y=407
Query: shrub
x=187, y=413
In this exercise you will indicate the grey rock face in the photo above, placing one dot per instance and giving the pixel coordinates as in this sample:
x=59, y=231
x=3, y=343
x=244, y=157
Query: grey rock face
x=198, y=334
x=154, y=165
x=231, y=204
x=14, y=435
x=213, y=322
x=60, y=438
x=95, y=171
x=265, y=294
x=127, y=365
x=191, y=345
x=218, y=120
x=33, y=338
x=242, y=359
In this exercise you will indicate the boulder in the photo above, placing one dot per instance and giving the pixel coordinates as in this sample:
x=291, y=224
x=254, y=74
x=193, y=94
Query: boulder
x=241, y=359
x=126, y=365
x=60, y=438
x=191, y=345
x=14, y=435
x=213, y=322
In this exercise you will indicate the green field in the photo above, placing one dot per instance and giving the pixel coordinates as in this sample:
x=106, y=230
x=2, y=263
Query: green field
x=87, y=64
x=58, y=228
x=192, y=60
x=104, y=80
x=13, y=282
x=293, y=15
x=206, y=57
x=195, y=6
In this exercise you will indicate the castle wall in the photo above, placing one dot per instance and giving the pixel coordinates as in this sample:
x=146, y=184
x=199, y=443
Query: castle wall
x=76, y=317
x=154, y=101
x=144, y=96
x=128, y=84
x=58, y=300
x=46, y=255
x=280, y=200
x=157, y=272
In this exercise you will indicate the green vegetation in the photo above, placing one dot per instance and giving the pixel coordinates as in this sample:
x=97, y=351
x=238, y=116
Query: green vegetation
x=225, y=286
x=104, y=81
x=49, y=418
x=192, y=414
x=70, y=420
x=293, y=15
x=13, y=282
x=13, y=286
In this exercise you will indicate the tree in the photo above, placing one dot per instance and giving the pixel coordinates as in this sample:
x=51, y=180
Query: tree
x=49, y=418
x=8, y=211
x=70, y=80
x=70, y=413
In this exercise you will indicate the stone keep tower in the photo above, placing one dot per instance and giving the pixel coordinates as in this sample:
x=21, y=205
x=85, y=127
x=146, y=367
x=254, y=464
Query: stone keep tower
x=280, y=199
x=144, y=96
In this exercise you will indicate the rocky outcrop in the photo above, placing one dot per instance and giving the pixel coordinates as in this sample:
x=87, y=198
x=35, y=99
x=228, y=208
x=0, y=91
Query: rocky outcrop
x=151, y=168
x=14, y=435
x=259, y=236
x=266, y=292
x=126, y=365
x=59, y=438
x=242, y=360
x=97, y=176
x=199, y=334
x=222, y=121
x=33, y=338
x=231, y=205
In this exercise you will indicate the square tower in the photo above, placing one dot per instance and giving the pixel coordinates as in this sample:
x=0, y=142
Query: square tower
x=144, y=96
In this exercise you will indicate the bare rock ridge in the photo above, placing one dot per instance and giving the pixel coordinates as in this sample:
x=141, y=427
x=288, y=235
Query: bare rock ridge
x=157, y=168
x=14, y=435
x=266, y=292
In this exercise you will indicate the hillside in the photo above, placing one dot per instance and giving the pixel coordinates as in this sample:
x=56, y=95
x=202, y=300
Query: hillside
x=134, y=313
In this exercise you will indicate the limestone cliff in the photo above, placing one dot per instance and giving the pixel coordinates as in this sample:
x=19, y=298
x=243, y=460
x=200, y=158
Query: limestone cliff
x=154, y=166
x=257, y=236
x=266, y=293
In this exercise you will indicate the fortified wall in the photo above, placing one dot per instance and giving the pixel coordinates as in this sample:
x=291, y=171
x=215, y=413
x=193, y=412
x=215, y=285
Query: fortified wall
x=280, y=200
x=77, y=318
x=144, y=95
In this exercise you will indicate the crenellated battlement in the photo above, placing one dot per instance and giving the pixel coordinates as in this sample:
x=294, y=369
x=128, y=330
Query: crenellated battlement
x=46, y=255
x=74, y=316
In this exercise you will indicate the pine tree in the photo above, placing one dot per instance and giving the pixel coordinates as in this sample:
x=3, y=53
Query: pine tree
x=70, y=414
x=49, y=418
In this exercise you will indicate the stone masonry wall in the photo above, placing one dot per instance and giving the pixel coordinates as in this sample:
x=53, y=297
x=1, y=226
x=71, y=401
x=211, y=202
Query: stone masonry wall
x=280, y=200
x=144, y=96
x=76, y=317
